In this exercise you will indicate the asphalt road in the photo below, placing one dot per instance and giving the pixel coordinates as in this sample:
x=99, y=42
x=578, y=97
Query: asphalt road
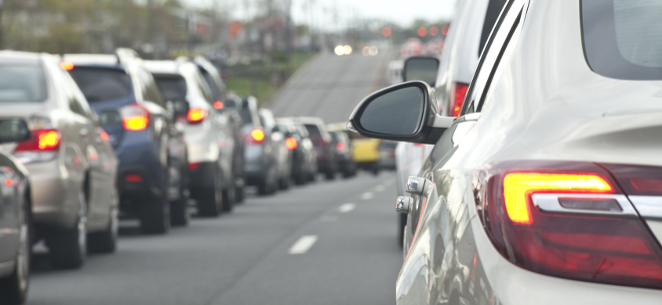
x=331, y=242
x=331, y=86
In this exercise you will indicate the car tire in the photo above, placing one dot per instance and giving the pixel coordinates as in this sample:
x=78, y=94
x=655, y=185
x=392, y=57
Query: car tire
x=211, y=198
x=179, y=214
x=68, y=249
x=14, y=289
x=284, y=183
x=106, y=241
x=330, y=175
x=155, y=216
x=228, y=199
x=239, y=194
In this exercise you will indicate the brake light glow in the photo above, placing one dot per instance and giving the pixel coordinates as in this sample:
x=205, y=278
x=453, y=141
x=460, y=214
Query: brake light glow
x=40, y=140
x=104, y=136
x=218, y=105
x=193, y=166
x=134, y=117
x=257, y=135
x=518, y=187
x=637, y=179
x=458, y=92
x=590, y=238
x=196, y=115
x=67, y=66
x=341, y=146
x=133, y=178
x=291, y=143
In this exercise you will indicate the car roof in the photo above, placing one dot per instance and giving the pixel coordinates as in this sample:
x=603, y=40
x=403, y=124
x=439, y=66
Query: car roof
x=162, y=66
x=21, y=55
x=92, y=59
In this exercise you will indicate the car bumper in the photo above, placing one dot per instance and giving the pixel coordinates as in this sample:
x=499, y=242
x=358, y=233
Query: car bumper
x=52, y=204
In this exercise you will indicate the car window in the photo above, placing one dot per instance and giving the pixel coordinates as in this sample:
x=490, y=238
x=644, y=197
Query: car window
x=77, y=97
x=204, y=88
x=489, y=61
x=173, y=87
x=313, y=131
x=150, y=90
x=22, y=82
x=623, y=38
x=99, y=84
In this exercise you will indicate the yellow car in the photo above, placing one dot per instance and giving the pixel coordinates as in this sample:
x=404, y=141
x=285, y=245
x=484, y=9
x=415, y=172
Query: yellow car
x=365, y=152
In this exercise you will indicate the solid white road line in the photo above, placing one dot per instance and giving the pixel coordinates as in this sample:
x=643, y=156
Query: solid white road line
x=347, y=207
x=367, y=196
x=303, y=244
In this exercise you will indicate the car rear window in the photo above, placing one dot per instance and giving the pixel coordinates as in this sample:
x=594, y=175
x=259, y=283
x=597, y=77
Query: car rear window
x=623, y=38
x=313, y=131
x=173, y=88
x=22, y=82
x=246, y=115
x=99, y=84
x=334, y=137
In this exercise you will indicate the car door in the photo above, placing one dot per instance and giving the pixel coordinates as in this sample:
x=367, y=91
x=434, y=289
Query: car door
x=440, y=253
x=9, y=211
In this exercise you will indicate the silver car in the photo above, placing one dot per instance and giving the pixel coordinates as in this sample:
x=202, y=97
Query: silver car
x=15, y=217
x=72, y=167
x=282, y=154
x=548, y=187
x=207, y=133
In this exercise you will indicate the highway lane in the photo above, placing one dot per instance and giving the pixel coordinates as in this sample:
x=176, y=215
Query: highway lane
x=330, y=86
x=245, y=257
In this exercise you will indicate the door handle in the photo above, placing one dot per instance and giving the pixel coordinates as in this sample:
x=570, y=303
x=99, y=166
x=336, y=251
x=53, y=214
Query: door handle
x=415, y=185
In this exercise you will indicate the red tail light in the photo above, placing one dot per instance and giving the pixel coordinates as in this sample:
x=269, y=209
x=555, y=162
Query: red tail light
x=341, y=146
x=291, y=143
x=567, y=219
x=196, y=115
x=40, y=140
x=67, y=66
x=256, y=136
x=193, y=166
x=133, y=178
x=638, y=180
x=458, y=92
x=134, y=117
x=218, y=105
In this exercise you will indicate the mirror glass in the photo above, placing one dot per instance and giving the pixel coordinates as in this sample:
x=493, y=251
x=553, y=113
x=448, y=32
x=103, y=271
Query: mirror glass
x=395, y=113
x=110, y=118
x=422, y=68
x=180, y=107
x=13, y=130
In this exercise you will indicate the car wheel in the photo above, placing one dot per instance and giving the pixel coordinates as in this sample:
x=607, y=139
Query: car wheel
x=179, y=214
x=239, y=194
x=330, y=175
x=68, y=249
x=106, y=241
x=210, y=199
x=228, y=199
x=14, y=289
x=155, y=213
x=284, y=183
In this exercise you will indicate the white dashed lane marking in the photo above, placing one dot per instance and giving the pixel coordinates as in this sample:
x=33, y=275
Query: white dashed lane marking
x=367, y=196
x=347, y=207
x=303, y=244
x=380, y=188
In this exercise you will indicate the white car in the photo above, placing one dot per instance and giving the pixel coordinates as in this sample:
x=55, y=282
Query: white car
x=547, y=189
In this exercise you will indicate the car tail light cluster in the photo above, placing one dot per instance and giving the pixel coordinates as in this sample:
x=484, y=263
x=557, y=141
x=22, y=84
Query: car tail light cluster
x=196, y=115
x=458, y=92
x=134, y=117
x=256, y=136
x=40, y=140
x=341, y=146
x=570, y=219
x=291, y=143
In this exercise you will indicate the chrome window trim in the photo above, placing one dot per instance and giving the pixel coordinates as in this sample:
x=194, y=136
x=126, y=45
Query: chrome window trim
x=550, y=203
x=648, y=206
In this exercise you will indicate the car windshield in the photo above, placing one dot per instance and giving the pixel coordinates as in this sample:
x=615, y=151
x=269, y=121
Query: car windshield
x=99, y=84
x=623, y=38
x=172, y=87
x=22, y=82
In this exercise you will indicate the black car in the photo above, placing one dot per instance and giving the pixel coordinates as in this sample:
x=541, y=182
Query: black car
x=319, y=134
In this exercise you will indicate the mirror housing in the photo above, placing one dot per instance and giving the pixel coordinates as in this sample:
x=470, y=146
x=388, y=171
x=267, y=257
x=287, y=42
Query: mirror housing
x=178, y=108
x=14, y=130
x=422, y=69
x=427, y=128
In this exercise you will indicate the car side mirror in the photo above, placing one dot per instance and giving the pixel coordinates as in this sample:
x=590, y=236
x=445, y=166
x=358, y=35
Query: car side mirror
x=13, y=130
x=403, y=112
x=178, y=108
x=421, y=68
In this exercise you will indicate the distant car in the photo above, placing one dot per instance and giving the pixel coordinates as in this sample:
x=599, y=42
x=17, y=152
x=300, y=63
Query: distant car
x=15, y=220
x=227, y=105
x=387, y=154
x=283, y=154
x=142, y=133
x=260, y=168
x=208, y=134
x=319, y=134
x=72, y=166
x=304, y=159
x=343, y=153
x=365, y=153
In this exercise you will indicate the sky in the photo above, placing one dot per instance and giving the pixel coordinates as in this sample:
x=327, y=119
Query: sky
x=403, y=12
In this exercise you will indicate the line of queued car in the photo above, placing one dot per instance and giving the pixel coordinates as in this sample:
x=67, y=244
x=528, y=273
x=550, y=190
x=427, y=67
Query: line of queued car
x=89, y=139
